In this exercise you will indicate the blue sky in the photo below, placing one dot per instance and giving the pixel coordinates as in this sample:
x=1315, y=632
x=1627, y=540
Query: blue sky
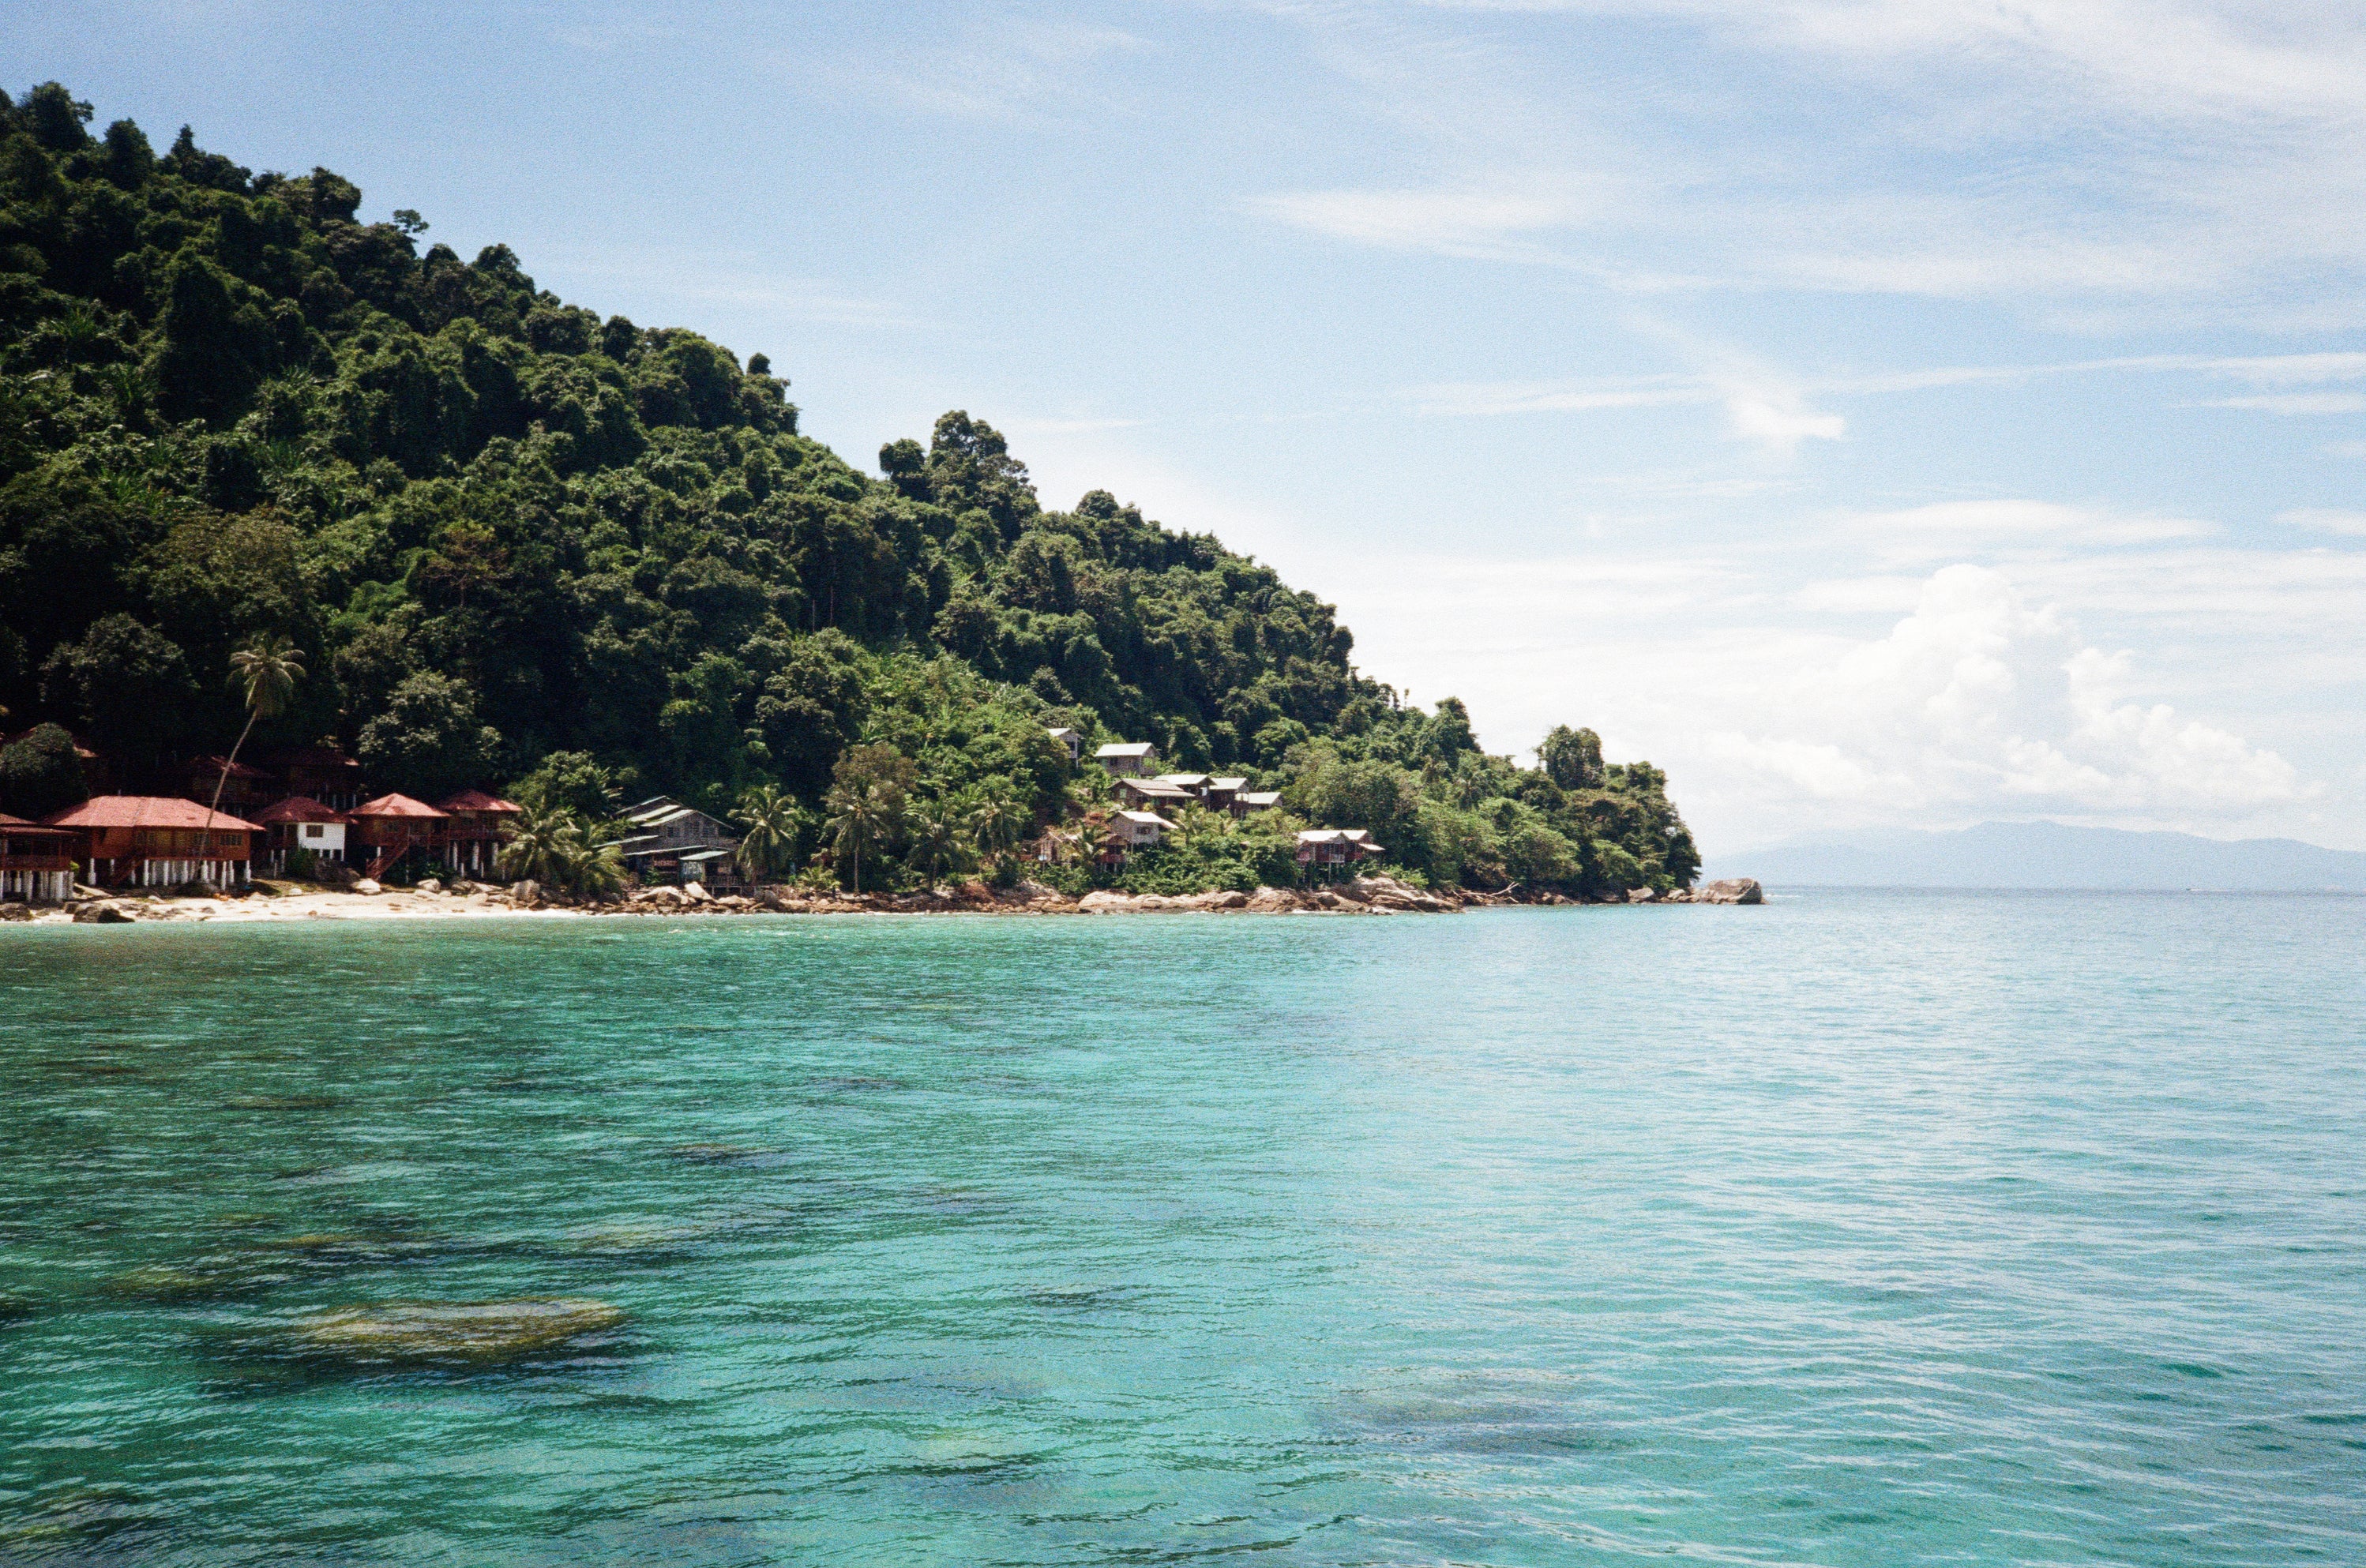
x=1874, y=411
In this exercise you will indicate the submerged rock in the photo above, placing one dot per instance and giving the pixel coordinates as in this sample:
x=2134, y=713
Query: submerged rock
x=208, y=1279
x=463, y=1333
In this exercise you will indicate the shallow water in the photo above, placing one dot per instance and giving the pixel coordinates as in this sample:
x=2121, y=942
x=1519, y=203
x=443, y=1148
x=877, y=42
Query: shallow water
x=1862, y=1229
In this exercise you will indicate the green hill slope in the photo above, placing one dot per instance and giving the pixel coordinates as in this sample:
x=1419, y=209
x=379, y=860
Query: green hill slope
x=517, y=540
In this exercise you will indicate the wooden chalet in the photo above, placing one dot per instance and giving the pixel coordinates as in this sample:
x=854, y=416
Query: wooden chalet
x=478, y=825
x=1129, y=759
x=391, y=826
x=1135, y=829
x=321, y=773
x=671, y=842
x=300, y=821
x=155, y=841
x=1152, y=794
x=1335, y=847
x=243, y=789
x=1073, y=739
x=1218, y=792
x=1246, y=800
x=36, y=862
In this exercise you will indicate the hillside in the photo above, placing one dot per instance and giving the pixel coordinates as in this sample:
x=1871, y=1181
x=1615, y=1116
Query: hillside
x=2051, y=854
x=526, y=546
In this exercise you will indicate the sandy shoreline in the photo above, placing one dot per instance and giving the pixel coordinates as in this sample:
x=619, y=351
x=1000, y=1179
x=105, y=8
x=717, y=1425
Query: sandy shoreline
x=1363, y=895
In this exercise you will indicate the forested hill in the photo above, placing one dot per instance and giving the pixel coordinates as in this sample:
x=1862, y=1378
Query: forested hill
x=502, y=530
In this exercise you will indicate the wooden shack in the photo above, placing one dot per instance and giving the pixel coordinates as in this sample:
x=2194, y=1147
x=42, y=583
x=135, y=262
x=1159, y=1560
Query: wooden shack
x=157, y=840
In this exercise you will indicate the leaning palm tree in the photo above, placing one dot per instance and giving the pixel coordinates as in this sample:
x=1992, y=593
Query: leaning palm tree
x=542, y=846
x=266, y=675
x=769, y=821
x=861, y=815
x=597, y=869
x=1090, y=840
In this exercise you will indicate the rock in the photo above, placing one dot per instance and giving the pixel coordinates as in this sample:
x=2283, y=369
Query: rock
x=696, y=892
x=463, y=1333
x=1733, y=890
x=367, y=887
x=1272, y=900
x=1222, y=898
x=104, y=912
x=1387, y=893
x=1679, y=895
x=1642, y=895
x=1106, y=902
x=12, y=909
x=431, y=886
x=734, y=902
x=976, y=891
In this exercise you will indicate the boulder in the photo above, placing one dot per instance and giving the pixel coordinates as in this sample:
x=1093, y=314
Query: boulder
x=1272, y=901
x=1220, y=897
x=976, y=891
x=103, y=912
x=696, y=892
x=368, y=887
x=734, y=902
x=1388, y=892
x=1106, y=902
x=12, y=909
x=1642, y=895
x=461, y=1333
x=1733, y=890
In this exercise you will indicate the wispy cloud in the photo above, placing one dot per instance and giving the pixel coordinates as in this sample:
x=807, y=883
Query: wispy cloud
x=2297, y=402
x=2325, y=519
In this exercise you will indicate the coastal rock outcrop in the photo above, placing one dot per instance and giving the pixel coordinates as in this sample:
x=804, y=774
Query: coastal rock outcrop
x=103, y=912
x=1733, y=890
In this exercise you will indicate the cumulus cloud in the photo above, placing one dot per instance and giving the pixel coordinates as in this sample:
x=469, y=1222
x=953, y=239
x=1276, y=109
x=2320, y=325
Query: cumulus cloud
x=1979, y=701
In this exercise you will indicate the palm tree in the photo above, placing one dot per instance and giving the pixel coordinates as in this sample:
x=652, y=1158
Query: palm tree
x=266, y=675
x=935, y=844
x=594, y=869
x=997, y=823
x=541, y=846
x=770, y=820
x=1090, y=840
x=861, y=816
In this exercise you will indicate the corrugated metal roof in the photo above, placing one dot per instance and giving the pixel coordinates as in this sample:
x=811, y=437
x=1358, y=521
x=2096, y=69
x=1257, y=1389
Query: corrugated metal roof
x=1127, y=748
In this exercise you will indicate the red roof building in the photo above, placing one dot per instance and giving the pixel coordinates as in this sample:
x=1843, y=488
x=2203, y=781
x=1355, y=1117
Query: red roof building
x=321, y=773
x=36, y=862
x=480, y=824
x=242, y=787
x=158, y=841
x=390, y=827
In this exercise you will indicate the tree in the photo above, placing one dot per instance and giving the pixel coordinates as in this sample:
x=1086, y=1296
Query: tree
x=1571, y=758
x=127, y=685
x=429, y=742
x=264, y=674
x=768, y=820
x=540, y=844
x=861, y=815
x=936, y=843
x=41, y=774
x=570, y=780
x=997, y=823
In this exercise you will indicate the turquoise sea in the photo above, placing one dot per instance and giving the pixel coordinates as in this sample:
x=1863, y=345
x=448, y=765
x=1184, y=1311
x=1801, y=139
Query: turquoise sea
x=1863, y=1228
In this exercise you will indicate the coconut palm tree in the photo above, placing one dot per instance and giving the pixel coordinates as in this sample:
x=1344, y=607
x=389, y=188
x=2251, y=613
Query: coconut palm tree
x=769, y=821
x=597, y=869
x=935, y=844
x=997, y=823
x=541, y=846
x=265, y=673
x=1090, y=840
x=861, y=815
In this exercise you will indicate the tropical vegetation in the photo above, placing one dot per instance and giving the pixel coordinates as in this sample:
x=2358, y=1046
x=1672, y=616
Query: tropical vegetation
x=514, y=542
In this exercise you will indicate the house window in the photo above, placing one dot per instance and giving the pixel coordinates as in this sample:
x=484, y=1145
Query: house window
x=314, y=830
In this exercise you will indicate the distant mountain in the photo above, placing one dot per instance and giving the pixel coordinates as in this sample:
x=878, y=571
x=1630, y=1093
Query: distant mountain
x=2049, y=855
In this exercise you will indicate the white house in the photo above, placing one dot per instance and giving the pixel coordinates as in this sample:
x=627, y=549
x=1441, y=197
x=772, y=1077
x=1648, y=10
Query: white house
x=1073, y=739
x=1138, y=830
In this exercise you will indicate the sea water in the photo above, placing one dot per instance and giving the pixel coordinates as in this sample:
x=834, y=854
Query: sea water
x=1862, y=1229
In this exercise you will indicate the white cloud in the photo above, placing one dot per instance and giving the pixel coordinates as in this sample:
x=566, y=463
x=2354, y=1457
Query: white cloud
x=1945, y=529
x=1493, y=223
x=2297, y=402
x=2327, y=520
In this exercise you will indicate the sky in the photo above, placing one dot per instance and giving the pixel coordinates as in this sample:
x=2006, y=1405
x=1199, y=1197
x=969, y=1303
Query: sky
x=1874, y=412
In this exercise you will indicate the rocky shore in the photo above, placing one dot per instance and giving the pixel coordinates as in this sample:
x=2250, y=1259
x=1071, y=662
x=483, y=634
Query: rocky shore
x=1359, y=895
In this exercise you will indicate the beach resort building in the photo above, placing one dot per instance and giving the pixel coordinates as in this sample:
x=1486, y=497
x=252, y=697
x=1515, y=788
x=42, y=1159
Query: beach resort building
x=387, y=829
x=321, y=773
x=243, y=789
x=1217, y=794
x=476, y=826
x=1152, y=794
x=157, y=840
x=671, y=842
x=1073, y=739
x=1246, y=800
x=36, y=862
x=302, y=822
x=1129, y=759
x=1136, y=830
x=1335, y=847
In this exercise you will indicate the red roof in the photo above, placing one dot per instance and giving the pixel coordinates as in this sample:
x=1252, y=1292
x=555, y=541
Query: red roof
x=397, y=806
x=299, y=808
x=18, y=824
x=477, y=800
x=145, y=810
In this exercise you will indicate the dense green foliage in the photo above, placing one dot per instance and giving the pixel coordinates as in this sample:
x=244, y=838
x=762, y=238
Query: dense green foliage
x=514, y=542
